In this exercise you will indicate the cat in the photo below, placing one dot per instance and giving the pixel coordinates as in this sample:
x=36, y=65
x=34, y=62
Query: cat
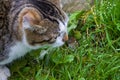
x=26, y=25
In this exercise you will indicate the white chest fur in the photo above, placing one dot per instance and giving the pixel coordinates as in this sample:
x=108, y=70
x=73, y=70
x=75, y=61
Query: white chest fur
x=16, y=51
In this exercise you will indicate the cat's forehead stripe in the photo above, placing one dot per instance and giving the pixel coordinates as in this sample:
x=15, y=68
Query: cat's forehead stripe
x=48, y=10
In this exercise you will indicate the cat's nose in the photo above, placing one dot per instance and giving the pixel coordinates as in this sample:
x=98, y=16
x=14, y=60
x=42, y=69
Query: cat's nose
x=65, y=37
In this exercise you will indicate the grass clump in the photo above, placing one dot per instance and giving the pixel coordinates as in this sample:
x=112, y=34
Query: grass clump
x=92, y=54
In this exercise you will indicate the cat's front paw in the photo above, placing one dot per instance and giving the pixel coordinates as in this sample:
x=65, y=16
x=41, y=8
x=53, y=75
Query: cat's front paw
x=4, y=73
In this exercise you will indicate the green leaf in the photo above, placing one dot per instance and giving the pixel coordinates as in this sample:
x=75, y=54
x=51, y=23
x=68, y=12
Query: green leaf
x=68, y=58
x=118, y=26
x=57, y=58
x=81, y=79
x=77, y=34
x=74, y=17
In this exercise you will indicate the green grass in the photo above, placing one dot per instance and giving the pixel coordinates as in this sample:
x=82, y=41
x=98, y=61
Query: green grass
x=94, y=55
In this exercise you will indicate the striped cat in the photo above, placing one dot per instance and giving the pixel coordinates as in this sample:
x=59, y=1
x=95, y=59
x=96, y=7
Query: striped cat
x=29, y=24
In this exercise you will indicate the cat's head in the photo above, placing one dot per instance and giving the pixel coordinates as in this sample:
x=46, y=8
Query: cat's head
x=46, y=25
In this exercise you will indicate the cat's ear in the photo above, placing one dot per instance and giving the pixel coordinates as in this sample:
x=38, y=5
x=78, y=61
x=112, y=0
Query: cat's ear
x=30, y=18
x=27, y=20
x=30, y=22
